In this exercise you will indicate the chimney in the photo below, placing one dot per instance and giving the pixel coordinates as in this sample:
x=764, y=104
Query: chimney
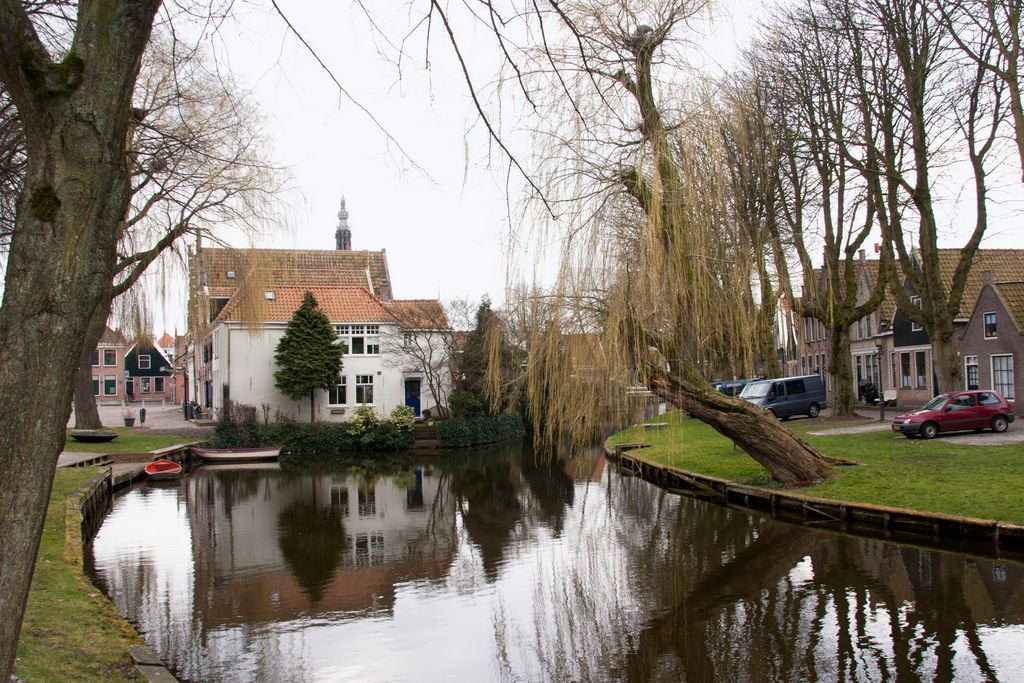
x=988, y=277
x=862, y=254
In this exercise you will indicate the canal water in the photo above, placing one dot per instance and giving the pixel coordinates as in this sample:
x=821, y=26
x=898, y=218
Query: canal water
x=492, y=566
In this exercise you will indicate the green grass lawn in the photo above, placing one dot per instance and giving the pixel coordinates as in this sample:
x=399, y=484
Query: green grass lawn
x=71, y=632
x=131, y=440
x=942, y=475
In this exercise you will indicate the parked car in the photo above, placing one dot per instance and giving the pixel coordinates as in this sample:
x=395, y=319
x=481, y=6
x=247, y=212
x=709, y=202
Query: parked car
x=788, y=396
x=955, y=412
x=732, y=387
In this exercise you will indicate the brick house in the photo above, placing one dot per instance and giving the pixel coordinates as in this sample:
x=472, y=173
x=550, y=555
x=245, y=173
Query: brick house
x=148, y=373
x=992, y=346
x=108, y=368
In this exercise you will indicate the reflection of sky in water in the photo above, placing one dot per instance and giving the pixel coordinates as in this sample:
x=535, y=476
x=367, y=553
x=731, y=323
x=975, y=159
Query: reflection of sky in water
x=504, y=572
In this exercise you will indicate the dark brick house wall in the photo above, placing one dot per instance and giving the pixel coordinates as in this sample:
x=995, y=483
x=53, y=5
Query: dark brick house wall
x=1008, y=341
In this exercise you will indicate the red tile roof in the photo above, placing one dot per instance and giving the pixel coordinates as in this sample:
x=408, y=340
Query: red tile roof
x=340, y=304
x=418, y=314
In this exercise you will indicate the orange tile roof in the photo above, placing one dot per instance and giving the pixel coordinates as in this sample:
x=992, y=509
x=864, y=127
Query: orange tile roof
x=1012, y=294
x=418, y=314
x=166, y=341
x=340, y=304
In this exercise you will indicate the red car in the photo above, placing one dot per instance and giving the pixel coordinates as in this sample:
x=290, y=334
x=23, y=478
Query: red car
x=954, y=412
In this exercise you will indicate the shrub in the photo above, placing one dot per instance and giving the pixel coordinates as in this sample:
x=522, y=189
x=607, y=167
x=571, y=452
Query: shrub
x=458, y=432
x=403, y=416
x=465, y=404
x=366, y=431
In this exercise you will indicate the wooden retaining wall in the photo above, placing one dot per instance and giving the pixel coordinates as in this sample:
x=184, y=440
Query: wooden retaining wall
x=1001, y=540
x=86, y=508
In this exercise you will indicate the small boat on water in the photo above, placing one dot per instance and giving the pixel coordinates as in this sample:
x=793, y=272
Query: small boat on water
x=159, y=470
x=237, y=454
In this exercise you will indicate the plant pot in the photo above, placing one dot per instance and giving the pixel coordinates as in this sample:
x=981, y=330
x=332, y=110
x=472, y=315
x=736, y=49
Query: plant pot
x=129, y=422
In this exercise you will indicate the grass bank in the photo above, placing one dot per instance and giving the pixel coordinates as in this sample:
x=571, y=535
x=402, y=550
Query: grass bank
x=940, y=475
x=130, y=440
x=71, y=632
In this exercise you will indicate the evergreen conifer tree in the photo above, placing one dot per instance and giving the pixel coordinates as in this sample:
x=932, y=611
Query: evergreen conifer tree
x=308, y=355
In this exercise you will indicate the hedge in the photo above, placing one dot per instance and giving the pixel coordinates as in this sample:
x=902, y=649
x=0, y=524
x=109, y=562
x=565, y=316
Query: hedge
x=473, y=431
x=365, y=432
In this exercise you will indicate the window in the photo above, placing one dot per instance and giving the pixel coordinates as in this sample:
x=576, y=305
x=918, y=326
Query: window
x=987, y=399
x=145, y=385
x=990, y=325
x=338, y=394
x=407, y=340
x=109, y=385
x=905, y=370
x=794, y=386
x=360, y=340
x=964, y=401
x=143, y=362
x=158, y=385
x=364, y=389
x=339, y=499
x=109, y=357
x=914, y=327
x=971, y=371
x=1002, y=375
x=95, y=358
x=95, y=386
x=217, y=305
x=367, y=497
x=892, y=369
x=922, y=372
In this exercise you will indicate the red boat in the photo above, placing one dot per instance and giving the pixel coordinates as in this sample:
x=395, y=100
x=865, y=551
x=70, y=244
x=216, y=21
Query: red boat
x=163, y=469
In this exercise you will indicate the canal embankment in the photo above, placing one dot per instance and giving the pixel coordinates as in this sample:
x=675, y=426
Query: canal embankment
x=939, y=493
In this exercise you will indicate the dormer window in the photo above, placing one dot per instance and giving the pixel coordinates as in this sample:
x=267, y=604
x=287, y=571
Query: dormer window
x=914, y=327
x=217, y=305
x=270, y=294
x=231, y=275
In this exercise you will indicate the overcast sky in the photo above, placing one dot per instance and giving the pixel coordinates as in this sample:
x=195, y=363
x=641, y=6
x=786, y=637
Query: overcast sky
x=441, y=212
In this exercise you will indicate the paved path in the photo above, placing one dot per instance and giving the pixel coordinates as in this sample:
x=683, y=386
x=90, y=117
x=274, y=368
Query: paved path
x=1015, y=434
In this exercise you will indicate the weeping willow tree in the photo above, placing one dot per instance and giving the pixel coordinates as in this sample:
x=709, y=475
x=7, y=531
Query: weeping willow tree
x=660, y=280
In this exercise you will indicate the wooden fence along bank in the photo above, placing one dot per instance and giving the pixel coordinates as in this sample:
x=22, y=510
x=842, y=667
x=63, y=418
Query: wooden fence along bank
x=1001, y=540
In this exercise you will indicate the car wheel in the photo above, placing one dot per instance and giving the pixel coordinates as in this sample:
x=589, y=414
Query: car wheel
x=813, y=410
x=929, y=430
x=999, y=424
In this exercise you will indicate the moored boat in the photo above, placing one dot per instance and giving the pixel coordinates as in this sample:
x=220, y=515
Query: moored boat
x=163, y=469
x=237, y=454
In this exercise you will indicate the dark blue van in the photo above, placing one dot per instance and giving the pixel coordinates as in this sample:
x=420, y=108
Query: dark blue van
x=785, y=397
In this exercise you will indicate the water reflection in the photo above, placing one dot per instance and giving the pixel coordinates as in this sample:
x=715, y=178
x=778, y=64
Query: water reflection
x=495, y=565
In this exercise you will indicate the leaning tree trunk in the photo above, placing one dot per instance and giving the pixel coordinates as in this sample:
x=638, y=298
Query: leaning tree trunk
x=87, y=416
x=63, y=254
x=789, y=459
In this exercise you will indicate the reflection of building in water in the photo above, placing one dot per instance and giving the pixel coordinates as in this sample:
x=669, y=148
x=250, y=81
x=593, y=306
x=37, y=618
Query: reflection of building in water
x=275, y=547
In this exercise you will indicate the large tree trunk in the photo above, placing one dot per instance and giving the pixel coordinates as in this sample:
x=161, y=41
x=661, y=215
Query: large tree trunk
x=946, y=360
x=842, y=374
x=790, y=460
x=87, y=416
x=62, y=256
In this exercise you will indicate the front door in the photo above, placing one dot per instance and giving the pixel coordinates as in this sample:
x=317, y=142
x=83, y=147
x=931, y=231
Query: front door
x=412, y=395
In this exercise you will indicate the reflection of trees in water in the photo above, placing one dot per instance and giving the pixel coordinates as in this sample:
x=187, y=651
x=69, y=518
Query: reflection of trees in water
x=551, y=489
x=488, y=501
x=692, y=591
x=311, y=539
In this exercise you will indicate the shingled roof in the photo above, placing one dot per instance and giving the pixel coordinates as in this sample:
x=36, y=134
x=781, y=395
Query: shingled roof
x=418, y=314
x=1012, y=294
x=221, y=270
x=1006, y=265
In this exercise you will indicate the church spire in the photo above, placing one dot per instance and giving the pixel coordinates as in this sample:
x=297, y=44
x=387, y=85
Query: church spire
x=343, y=236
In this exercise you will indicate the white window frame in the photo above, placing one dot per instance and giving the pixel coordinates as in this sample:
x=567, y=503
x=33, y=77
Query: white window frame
x=148, y=361
x=105, y=363
x=96, y=356
x=97, y=385
x=109, y=377
x=984, y=325
x=363, y=381
x=367, y=334
x=971, y=361
x=1009, y=396
x=145, y=385
x=331, y=393
x=914, y=327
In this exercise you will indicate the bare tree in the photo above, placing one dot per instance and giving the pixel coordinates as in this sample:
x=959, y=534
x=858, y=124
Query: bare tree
x=421, y=343
x=198, y=161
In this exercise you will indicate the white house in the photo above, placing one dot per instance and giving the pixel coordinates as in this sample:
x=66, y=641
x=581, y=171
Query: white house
x=242, y=299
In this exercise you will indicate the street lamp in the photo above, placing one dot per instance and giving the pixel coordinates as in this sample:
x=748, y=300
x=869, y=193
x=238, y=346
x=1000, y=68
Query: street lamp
x=881, y=384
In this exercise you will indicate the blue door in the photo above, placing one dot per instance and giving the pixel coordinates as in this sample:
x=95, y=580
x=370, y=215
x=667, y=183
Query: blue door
x=412, y=395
